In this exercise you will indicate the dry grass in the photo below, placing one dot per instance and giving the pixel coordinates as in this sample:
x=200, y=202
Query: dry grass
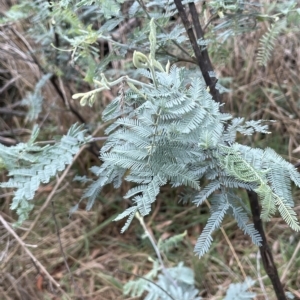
x=96, y=252
x=269, y=93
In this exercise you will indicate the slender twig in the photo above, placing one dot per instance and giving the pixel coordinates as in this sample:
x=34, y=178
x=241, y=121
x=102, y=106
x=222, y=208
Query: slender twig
x=9, y=111
x=100, y=138
x=212, y=17
x=7, y=141
x=153, y=243
x=151, y=238
x=287, y=268
x=178, y=58
x=10, y=82
x=63, y=252
x=22, y=244
x=261, y=283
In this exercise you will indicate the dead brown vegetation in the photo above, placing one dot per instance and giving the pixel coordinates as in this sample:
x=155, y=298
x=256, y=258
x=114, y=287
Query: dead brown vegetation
x=96, y=251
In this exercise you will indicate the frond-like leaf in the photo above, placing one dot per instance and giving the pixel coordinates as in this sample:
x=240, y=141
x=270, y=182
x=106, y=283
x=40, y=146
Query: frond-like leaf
x=242, y=221
x=130, y=212
x=206, y=192
x=45, y=162
x=213, y=223
x=238, y=291
x=267, y=42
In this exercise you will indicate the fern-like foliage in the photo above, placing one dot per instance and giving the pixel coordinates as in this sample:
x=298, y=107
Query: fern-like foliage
x=183, y=289
x=30, y=165
x=238, y=291
x=165, y=132
x=271, y=191
x=178, y=283
x=173, y=283
x=166, y=245
x=267, y=42
x=34, y=100
x=166, y=128
x=286, y=18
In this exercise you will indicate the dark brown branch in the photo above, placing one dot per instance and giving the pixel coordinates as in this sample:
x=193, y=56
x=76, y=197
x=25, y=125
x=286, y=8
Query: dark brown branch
x=200, y=35
x=203, y=60
x=265, y=251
